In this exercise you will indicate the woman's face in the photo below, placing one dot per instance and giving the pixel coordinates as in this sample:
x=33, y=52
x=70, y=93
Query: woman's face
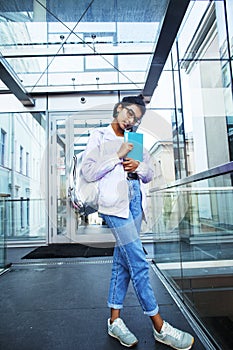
x=128, y=116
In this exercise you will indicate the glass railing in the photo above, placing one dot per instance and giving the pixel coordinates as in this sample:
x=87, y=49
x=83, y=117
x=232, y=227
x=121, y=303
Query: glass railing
x=3, y=221
x=193, y=235
x=26, y=221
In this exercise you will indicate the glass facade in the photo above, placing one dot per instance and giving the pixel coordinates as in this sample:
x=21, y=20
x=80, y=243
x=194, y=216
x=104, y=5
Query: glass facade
x=188, y=127
x=22, y=175
x=191, y=224
x=198, y=83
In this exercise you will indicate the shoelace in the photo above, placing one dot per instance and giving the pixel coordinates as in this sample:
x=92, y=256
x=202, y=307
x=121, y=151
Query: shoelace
x=173, y=332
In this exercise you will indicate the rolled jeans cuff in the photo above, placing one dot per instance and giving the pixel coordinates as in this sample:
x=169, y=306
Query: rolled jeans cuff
x=115, y=306
x=153, y=312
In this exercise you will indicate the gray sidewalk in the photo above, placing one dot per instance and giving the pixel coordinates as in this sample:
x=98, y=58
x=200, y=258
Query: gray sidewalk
x=61, y=305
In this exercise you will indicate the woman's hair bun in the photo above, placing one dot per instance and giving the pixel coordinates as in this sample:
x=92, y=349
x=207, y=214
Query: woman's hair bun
x=138, y=100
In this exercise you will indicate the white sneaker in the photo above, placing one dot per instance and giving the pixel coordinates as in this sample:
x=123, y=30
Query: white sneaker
x=119, y=331
x=174, y=337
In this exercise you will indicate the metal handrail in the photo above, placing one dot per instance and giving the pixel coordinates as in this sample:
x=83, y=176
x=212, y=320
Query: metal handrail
x=204, y=175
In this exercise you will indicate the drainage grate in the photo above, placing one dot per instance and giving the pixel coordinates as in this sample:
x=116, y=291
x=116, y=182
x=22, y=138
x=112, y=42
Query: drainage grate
x=61, y=262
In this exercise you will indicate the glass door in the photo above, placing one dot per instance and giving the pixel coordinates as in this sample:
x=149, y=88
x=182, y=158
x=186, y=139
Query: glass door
x=68, y=136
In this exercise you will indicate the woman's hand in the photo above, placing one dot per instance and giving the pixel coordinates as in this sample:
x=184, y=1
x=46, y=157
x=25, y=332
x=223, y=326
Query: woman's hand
x=130, y=165
x=125, y=148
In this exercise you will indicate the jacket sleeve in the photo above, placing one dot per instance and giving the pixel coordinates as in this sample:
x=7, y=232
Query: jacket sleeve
x=145, y=168
x=96, y=164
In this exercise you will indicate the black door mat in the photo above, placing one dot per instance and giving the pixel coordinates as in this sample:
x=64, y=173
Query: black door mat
x=70, y=250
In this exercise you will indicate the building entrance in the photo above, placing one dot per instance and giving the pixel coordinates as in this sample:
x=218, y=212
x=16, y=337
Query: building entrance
x=68, y=135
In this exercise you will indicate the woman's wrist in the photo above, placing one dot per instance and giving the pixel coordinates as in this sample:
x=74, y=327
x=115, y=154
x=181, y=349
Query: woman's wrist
x=138, y=163
x=139, y=166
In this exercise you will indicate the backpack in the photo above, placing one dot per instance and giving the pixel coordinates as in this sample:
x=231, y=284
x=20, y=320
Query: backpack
x=83, y=195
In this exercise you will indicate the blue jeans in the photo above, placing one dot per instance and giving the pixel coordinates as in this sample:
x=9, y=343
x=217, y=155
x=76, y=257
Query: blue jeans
x=129, y=259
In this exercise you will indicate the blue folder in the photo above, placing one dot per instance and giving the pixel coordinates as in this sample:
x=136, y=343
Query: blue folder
x=137, y=140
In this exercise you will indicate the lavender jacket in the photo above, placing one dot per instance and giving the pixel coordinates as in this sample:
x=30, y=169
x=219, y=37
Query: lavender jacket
x=101, y=162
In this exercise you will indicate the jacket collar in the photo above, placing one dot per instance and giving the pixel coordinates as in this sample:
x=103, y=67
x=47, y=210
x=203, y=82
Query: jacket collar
x=109, y=133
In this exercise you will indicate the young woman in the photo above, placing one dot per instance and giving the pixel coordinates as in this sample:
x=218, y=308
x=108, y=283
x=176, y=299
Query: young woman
x=122, y=204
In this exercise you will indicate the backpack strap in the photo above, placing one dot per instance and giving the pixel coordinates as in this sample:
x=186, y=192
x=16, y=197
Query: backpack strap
x=74, y=168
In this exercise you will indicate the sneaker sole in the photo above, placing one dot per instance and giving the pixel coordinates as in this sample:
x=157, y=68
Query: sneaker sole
x=122, y=343
x=189, y=347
